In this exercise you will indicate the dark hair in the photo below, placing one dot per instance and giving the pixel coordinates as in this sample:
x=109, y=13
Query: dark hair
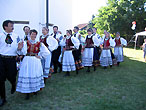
x=94, y=28
x=5, y=23
x=69, y=31
x=89, y=30
x=33, y=30
x=76, y=27
x=46, y=29
x=55, y=27
x=25, y=27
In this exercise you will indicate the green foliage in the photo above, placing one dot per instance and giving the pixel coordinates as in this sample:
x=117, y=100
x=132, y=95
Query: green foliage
x=118, y=16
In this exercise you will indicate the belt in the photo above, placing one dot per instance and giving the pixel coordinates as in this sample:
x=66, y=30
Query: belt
x=31, y=54
x=6, y=56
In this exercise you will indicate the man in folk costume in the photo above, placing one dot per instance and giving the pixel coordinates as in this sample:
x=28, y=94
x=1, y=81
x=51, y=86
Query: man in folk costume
x=77, y=53
x=118, y=50
x=96, y=49
x=8, y=52
x=69, y=43
x=105, y=57
x=26, y=30
x=56, y=53
x=31, y=79
x=90, y=42
x=52, y=44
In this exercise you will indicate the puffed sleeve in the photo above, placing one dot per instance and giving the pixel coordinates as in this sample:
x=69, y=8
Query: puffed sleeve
x=112, y=42
x=123, y=42
x=96, y=41
x=62, y=42
x=44, y=52
x=76, y=42
x=23, y=51
x=52, y=43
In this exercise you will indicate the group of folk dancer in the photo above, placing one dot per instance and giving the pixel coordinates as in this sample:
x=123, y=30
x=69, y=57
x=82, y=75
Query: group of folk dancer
x=38, y=59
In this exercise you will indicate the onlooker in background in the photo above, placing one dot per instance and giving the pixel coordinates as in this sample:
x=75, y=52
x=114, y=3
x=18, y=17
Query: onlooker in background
x=26, y=30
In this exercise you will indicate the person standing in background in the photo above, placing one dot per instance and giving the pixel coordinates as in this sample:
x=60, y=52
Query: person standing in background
x=118, y=50
x=52, y=44
x=96, y=49
x=77, y=53
x=56, y=53
x=26, y=30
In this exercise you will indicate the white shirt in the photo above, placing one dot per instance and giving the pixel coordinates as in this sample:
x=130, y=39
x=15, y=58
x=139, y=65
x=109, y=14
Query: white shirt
x=52, y=43
x=58, y=36
x=74, y=40
x=79, y=37
x=123, y=41
x=96, y=41
x=9, y=49
x=44, y=52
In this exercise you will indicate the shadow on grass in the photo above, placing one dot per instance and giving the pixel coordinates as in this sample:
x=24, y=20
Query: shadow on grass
x=119, y=88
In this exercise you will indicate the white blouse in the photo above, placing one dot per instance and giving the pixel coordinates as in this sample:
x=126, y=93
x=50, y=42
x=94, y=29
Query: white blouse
x=44, y=52
x=74, y=40
x=52, y=43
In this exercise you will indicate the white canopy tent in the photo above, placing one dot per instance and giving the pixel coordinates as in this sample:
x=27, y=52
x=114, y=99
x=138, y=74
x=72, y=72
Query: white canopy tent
x=139, y=34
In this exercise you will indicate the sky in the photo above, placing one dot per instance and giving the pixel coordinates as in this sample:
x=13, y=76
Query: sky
x=82, y=10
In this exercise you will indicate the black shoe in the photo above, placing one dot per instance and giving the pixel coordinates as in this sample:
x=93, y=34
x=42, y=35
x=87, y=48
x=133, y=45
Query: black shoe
x=13, y=89
x=77, y=72
x=105, y=67
x=118, y=63
x=2, y=102
x=94, y=68
x=27, y=97
x=88, y=70
x=111, y=66
x=67, y=74
x=35, y=93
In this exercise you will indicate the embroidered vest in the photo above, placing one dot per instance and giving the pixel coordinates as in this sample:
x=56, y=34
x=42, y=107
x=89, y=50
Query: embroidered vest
x=89, y=42
x=118, y=42
x=44, y=40
x=106, y=43
x=33, y=48
x=69, y=44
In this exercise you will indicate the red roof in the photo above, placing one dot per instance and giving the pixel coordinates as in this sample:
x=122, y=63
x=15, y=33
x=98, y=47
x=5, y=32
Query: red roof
x=81, y=26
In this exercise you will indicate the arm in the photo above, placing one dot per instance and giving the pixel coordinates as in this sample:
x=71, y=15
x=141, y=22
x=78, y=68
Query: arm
x=112, y=42
x=44, y=52
x=76, y=42
x=96, y=41
x=52, y=43
x=22, y=48
x=123, y=42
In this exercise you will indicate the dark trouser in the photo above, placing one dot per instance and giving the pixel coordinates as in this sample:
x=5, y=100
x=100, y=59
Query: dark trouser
x=54, y=60
x=96, y=56
x=112, y=55
x=8, y=70
x=77, y=57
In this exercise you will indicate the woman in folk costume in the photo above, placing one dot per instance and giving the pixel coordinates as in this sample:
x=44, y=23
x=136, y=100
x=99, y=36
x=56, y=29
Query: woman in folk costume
x=90, y=42
x=52, y=44
x=30, y=79
x=97, y=50
x=118, y=50
x=105, y=57
x=69, y=43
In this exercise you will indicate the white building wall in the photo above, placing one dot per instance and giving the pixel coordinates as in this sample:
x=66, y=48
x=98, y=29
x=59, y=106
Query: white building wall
x=61, y=14
x=34, y=11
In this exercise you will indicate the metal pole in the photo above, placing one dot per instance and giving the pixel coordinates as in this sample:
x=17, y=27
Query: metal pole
x=47, y=13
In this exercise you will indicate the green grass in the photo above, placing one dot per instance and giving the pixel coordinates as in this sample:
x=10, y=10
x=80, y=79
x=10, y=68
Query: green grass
x=119, y=88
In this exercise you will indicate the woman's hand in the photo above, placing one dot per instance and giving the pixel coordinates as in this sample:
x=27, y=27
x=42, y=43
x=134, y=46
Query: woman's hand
x=20, y=45
x=38, y=56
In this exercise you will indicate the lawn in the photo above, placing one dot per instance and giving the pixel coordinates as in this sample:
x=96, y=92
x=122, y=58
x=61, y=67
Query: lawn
x=119, y=88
